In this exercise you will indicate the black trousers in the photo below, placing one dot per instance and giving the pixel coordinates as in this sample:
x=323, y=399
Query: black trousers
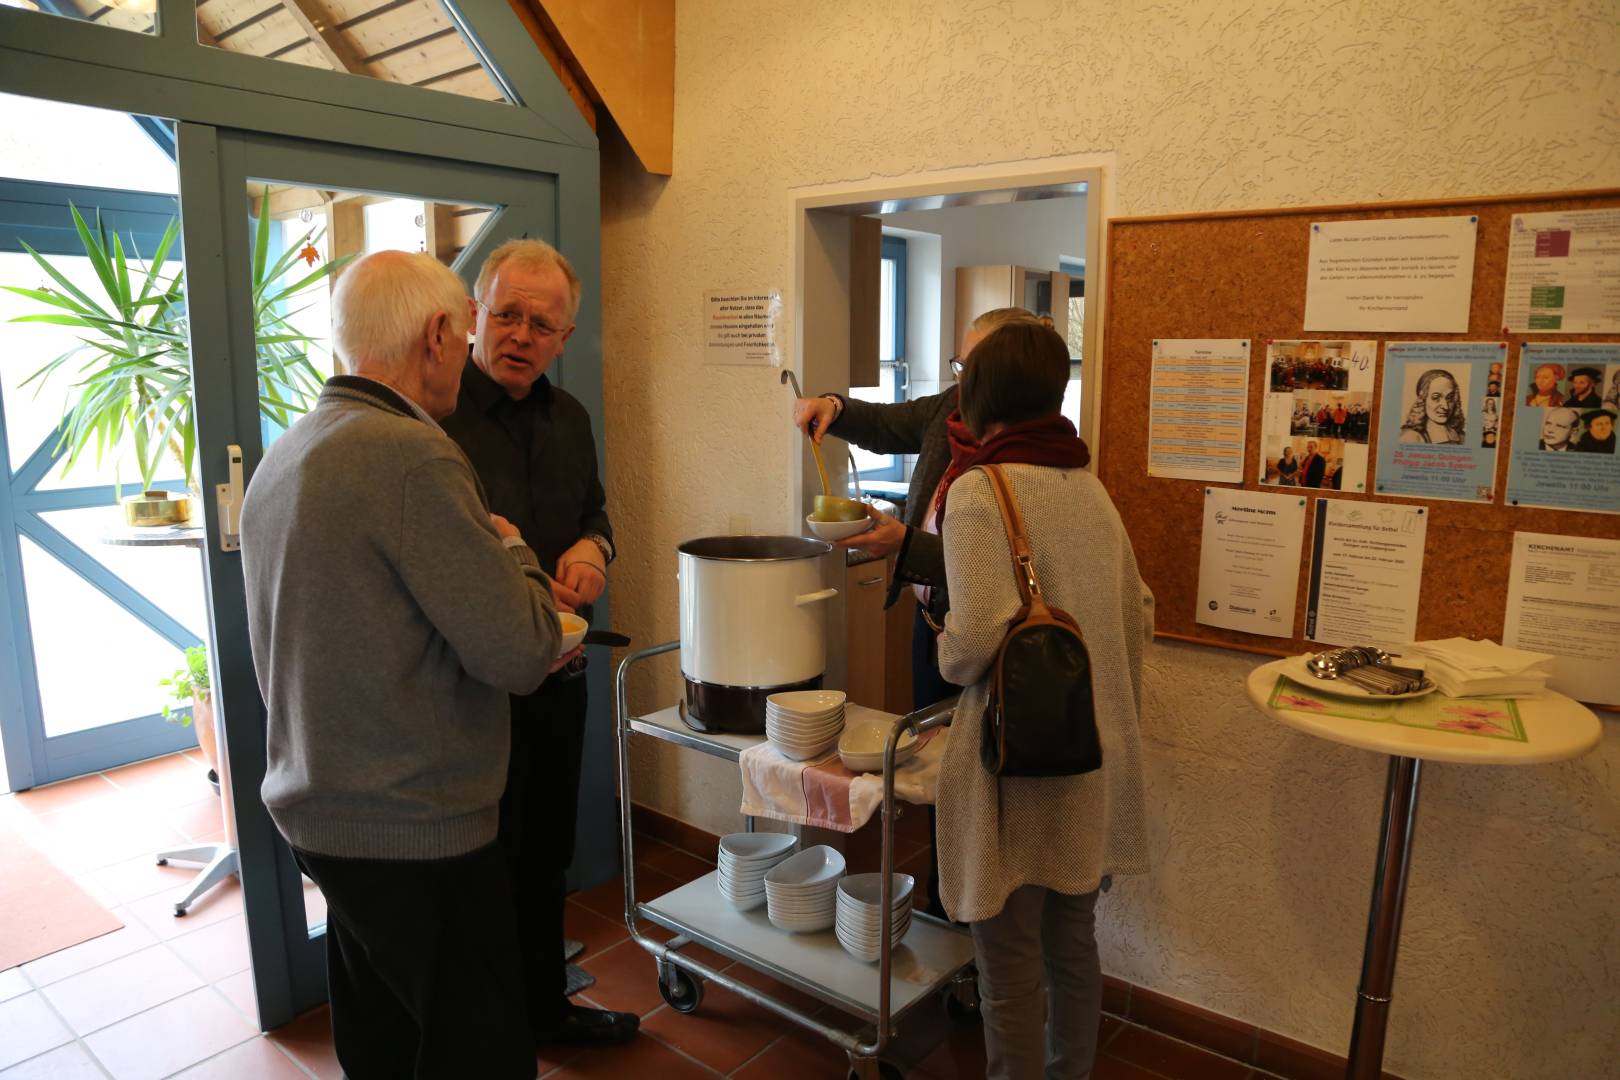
x=539, y=814
x=927, y=687
x=420, y=969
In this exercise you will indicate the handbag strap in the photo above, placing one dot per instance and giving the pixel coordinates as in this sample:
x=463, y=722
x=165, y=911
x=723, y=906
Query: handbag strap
x=1029, y=586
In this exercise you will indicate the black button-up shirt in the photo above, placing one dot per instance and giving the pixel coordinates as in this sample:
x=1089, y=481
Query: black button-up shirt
x=537, y=460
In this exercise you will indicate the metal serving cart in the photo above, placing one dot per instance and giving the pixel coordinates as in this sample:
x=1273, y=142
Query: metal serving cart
x=933, y=961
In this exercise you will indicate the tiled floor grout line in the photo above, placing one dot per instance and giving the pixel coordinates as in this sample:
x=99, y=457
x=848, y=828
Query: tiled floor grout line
x=77, y=1038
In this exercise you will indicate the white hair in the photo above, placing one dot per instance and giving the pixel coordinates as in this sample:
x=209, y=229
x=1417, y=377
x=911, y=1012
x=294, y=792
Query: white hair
x=383, y=302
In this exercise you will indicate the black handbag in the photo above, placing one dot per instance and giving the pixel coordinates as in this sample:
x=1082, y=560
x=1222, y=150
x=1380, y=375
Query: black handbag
x=1040, y=719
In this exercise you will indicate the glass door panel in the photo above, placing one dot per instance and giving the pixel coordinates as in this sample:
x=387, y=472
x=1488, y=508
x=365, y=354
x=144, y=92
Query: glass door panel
x=91, y=632
x=313, y=207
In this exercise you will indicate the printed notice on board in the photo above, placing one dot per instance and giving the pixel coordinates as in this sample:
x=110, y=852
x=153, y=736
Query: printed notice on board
x=1251, y=542
x=1563, y=452
x=1200, y=402
x=1564, y=599
x=1318, y=412
x=1440, y=419
x=741, y=327
x=1392, y=274
x=1366, y=573
x=1563, y=273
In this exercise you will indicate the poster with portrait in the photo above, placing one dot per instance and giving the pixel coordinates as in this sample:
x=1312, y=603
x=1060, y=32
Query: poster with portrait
x=1563, y=456
x=1317, y=414
x=1440, y=418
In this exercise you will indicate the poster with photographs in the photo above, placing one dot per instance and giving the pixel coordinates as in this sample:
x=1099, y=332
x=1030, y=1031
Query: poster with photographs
x=1318, y=411
x=1440, y=418
x=1563, y=452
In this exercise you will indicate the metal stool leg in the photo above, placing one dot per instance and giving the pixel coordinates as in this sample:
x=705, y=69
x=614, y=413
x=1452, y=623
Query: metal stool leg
x=1366, y=1059
x=222, y=863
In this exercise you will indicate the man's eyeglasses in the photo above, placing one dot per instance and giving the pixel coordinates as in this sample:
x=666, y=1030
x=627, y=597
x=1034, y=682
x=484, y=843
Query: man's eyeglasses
x=957, y=366
x=509, y=319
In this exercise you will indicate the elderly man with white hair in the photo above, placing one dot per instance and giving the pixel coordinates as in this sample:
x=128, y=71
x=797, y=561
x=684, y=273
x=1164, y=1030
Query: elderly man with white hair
x=391, y=614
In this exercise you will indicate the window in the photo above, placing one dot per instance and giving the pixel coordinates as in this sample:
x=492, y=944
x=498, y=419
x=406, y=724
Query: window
x=892, y=369
x=406, y=41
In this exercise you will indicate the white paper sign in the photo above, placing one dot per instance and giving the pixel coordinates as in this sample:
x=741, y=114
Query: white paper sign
x=1563, y=273
x=741, y=327
x=1564, y=599
x=1409, y=274
x=1198, y=406
x=1366, y=573
x=1248, y=561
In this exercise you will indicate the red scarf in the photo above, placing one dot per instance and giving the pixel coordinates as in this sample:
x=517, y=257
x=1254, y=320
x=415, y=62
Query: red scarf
x=1050, y=440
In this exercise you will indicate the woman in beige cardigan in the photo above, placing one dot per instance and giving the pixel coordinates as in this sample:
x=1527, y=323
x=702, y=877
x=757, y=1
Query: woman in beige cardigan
x=1021, y=859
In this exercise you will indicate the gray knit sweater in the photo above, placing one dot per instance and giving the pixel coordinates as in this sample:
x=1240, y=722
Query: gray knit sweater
x=1063, y=833
x=388, y=624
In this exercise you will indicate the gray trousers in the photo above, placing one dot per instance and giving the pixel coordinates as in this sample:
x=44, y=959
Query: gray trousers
x=1040, y=985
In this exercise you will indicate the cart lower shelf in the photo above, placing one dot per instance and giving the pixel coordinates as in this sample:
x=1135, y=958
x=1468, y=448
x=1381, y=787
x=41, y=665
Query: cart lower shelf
x=931, y=954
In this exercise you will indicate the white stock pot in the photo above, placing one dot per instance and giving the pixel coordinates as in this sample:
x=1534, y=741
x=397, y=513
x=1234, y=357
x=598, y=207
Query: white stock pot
x=753, y=622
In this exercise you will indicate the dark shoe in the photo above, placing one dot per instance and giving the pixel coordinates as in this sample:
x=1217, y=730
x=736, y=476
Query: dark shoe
x=580, y=1026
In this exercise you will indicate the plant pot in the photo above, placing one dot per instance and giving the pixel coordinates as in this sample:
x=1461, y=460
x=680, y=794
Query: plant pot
x=151, y=508
x=202, y=720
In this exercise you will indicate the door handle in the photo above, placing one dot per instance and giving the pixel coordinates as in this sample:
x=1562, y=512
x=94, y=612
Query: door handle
x=229, y=498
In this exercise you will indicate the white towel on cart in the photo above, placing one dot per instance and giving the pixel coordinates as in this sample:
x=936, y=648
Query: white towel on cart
x=824, y=793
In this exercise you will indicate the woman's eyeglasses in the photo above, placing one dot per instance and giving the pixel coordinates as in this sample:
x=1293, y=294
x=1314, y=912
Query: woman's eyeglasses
x=509, y=319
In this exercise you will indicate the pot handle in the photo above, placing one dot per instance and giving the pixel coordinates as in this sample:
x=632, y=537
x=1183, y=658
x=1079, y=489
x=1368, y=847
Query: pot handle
x=813, y=597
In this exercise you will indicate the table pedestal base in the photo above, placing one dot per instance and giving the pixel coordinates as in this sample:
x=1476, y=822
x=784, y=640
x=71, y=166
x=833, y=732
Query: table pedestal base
x=220, y=862
x=1366, y=1059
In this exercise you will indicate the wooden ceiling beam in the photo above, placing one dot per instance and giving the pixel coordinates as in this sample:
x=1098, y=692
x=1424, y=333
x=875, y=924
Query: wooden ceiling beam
x=329, y=41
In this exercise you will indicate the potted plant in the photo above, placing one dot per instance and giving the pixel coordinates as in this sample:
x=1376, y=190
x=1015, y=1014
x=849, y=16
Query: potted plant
x=133, y=362
x=190, y=685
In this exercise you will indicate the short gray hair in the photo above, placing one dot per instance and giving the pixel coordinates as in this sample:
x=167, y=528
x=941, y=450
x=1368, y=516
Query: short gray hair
x=383, y=301
x=535, y=255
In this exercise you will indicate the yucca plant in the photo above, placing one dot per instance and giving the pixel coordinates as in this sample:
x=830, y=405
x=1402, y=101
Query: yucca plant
x=131, y=368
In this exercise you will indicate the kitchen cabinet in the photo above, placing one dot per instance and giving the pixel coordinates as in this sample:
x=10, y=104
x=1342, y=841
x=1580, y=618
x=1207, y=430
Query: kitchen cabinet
x=983, y=288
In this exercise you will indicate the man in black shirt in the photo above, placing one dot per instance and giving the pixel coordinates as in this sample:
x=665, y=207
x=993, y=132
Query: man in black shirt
x=531, y=444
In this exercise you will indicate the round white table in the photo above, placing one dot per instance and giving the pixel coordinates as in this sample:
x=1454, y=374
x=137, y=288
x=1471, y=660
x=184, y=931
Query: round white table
x=1555, y=728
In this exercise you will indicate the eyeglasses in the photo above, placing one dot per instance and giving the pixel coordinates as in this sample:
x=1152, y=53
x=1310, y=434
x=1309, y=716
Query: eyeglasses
x=509, y=319
x=957, y=366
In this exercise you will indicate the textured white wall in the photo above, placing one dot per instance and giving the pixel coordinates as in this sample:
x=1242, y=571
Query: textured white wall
x=1510, y=963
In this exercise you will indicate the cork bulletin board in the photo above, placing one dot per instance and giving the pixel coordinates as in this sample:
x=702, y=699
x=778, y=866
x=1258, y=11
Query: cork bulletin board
x=1243, y=275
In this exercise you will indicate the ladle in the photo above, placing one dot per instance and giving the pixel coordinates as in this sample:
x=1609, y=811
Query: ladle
x=815, y=447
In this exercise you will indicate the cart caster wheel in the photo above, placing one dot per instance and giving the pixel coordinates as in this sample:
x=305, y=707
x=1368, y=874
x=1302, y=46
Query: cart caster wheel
x=885, y=1071
x=681, y=991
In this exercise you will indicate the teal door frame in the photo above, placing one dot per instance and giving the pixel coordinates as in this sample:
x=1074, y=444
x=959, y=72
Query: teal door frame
x=242, y=118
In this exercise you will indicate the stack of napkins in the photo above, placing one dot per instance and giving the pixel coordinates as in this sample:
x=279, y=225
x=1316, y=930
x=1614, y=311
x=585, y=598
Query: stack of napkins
x=1464, y=668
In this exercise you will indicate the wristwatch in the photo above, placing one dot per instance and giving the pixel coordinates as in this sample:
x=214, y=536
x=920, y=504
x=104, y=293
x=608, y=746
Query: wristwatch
x=603, y=545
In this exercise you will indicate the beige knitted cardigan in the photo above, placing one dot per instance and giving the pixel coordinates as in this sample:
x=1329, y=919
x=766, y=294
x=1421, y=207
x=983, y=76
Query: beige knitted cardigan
x=1064, y=833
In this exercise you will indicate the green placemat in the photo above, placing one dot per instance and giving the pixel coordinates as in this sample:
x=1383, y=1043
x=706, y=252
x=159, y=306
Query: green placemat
x=1485, y=718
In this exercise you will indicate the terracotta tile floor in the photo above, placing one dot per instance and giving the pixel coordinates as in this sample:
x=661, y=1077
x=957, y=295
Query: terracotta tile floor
x=174, y=997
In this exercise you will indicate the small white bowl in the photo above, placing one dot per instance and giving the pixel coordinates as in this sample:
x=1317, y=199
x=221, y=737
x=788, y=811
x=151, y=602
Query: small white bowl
x=573, y=628
x=838, y=530
x=811, y=868
x=744, y=847
x=799, y=704
x=867, y=889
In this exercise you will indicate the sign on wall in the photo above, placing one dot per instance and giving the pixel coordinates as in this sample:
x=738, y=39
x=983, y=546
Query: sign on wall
x=741, y=327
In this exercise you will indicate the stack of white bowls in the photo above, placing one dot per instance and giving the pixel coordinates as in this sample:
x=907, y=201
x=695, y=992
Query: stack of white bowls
x=803, y=724
x=745, y=858
x=860, y=913
x=801, y=892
